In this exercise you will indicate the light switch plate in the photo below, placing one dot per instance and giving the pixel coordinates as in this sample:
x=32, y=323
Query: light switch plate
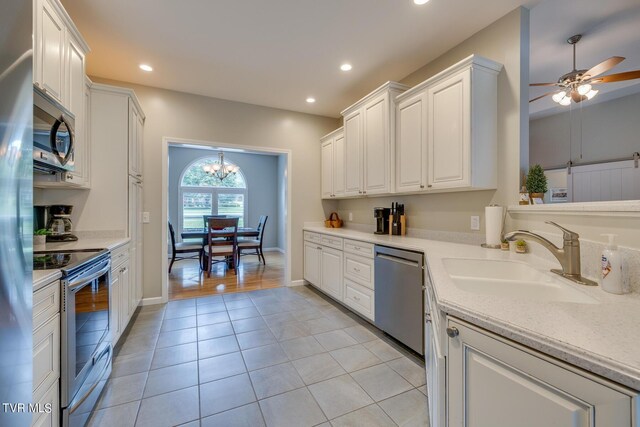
x=475, y=222
x=145, y=217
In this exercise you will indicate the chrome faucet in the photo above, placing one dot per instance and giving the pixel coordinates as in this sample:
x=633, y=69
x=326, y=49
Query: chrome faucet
x=568, y=255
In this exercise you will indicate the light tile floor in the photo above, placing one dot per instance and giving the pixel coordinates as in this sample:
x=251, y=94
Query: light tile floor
x=278, y=357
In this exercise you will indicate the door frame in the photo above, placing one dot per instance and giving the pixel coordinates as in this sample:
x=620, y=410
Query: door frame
x=166, y=142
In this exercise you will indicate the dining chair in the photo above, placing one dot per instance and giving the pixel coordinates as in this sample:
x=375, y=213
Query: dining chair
x=183, y=248
x=222, y=241
x=255, y=244
x=205, y=218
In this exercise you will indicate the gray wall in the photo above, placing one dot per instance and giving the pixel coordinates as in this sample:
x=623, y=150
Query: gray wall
x=261, y=175
x=507, y=42
x=607, y=130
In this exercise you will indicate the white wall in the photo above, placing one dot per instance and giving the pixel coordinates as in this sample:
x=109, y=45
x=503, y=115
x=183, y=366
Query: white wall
x=282, y=200
x=507, y=42
x=261, y=175
x=601, y=132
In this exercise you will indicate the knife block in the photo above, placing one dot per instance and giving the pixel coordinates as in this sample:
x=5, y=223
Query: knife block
x=403, y=226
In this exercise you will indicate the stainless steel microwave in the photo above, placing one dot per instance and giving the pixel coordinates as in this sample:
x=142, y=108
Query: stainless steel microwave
x=53, y=135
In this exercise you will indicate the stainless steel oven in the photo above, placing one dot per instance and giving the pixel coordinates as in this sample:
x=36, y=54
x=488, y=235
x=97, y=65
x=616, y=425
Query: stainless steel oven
x=53, y=135
x=86, y=347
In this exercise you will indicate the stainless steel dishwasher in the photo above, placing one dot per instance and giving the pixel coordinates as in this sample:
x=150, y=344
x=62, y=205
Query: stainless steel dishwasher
x=399, y=311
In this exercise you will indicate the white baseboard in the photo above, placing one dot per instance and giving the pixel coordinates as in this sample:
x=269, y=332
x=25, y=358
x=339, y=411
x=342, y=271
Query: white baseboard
x=273, y=250
x=151, y=301
x=300, y=282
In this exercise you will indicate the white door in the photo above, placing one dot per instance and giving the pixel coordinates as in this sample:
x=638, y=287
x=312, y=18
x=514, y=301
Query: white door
x=448, y=130
x=494, y=383
x=331, y=272
x=376, y=146
x=338, y=166
x=411, y=144
x=51, y=53
x=353, y=153
x=327, y=169
x=76, y=102
x=312, y=263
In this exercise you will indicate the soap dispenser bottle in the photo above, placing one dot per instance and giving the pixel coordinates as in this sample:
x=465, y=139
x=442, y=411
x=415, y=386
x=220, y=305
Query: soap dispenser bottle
x=612, y=280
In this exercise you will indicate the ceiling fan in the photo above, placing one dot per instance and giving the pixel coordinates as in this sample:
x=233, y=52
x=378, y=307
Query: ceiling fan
x=577, y=85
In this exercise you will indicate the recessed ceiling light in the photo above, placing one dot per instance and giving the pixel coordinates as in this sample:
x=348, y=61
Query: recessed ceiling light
x=145, y=67
x=420, y=2
x=346, y=67
x=311, y=100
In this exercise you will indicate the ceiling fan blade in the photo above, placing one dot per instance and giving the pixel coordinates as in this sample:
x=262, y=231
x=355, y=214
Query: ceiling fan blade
x=619, y=77
x=542, y=96
x=543, y=84
x=602, y=67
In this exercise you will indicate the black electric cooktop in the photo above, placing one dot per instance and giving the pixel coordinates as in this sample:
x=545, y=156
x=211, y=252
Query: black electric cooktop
x=64, y=260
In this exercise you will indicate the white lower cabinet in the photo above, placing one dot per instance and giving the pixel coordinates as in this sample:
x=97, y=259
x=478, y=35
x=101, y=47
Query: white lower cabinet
x=359, y=298
x=123, y=292
x=46, y=355
x=331, y=272
x=494, y=382
x=312, y=262
x=47, y=406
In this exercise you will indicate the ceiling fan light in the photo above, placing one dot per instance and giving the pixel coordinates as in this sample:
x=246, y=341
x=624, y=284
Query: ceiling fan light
x=565, y=101
x=592, y=93
x=559, y=96
x=584, y=89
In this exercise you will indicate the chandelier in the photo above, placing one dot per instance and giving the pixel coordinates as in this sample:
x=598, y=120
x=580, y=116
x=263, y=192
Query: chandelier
x=219, y=169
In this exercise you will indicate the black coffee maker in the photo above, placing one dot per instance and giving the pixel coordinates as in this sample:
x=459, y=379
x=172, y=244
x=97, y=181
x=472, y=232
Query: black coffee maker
x=381, y=216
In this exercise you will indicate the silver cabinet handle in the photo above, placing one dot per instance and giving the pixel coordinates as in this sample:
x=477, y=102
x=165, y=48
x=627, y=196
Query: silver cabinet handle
x=452, y=332
x=69, y=176
x=427, y=317
x=356, y=269
x=356, y=298
x=319, y=247
x=421, y=185
x=357, y=248
x=429, y=185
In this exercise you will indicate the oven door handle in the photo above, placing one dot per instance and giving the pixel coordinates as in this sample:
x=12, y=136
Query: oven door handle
x=91, y=275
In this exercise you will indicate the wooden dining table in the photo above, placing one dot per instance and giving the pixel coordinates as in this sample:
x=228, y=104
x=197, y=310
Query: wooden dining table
x=203, y=234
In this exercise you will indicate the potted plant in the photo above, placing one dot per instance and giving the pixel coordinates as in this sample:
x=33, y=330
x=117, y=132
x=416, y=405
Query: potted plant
x=40, y=237
x=504, y=245
x=536, y=182
x=521, y=246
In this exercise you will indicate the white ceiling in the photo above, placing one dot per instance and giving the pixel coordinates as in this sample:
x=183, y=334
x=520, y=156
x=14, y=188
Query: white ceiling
x=276, y=52
x=609, y=28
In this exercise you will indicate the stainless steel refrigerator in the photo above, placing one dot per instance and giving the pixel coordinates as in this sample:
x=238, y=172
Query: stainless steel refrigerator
x=16, y=211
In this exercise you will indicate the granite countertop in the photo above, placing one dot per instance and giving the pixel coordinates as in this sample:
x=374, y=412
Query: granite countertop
x=602, y=338
x=42, y=278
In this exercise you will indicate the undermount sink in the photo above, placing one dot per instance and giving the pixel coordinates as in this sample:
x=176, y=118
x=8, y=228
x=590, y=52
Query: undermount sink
x=511, y=279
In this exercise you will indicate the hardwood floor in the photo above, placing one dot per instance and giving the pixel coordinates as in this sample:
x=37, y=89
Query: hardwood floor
x=187, y=281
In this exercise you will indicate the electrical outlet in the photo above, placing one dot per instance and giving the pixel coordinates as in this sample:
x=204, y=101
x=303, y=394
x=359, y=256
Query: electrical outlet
x=146, y=218
x=475, y=222
x=350, y=216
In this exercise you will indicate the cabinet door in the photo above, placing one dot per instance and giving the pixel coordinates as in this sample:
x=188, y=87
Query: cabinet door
x=327, y=169
x=114, y=322
x=353, y=153
x=436, y=374
x=76, y=102
x=132, y=292
x=338, y=165
x=46, y=355
x=312, y=263
x=411, y=144
x=49, y=55
x=376, y=146
x=139, y=243
x=522, y=382
x=331, y=272
x=448, y=130
x=50, y=399
x=133, y=140
x=139, y=146
x=124, y=296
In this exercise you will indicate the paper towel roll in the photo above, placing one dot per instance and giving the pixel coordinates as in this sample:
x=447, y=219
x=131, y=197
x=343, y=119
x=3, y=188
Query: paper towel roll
x=493, y=224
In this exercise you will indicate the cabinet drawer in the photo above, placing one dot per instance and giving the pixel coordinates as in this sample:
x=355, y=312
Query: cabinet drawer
x=46, y=303
x=47, y=412
x=359, y=298
x=359, y=269
x=46, y=355
x=333, y=242
x=358, y=248
x=118, y=257
x=312, y=237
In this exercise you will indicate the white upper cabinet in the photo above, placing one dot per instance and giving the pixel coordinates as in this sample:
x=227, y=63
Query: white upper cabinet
x=49, y=40
x=447, y=130
x=332, y=157
x=76, y=90
x=136, y=121
x=411, y=144
x=369, y=138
